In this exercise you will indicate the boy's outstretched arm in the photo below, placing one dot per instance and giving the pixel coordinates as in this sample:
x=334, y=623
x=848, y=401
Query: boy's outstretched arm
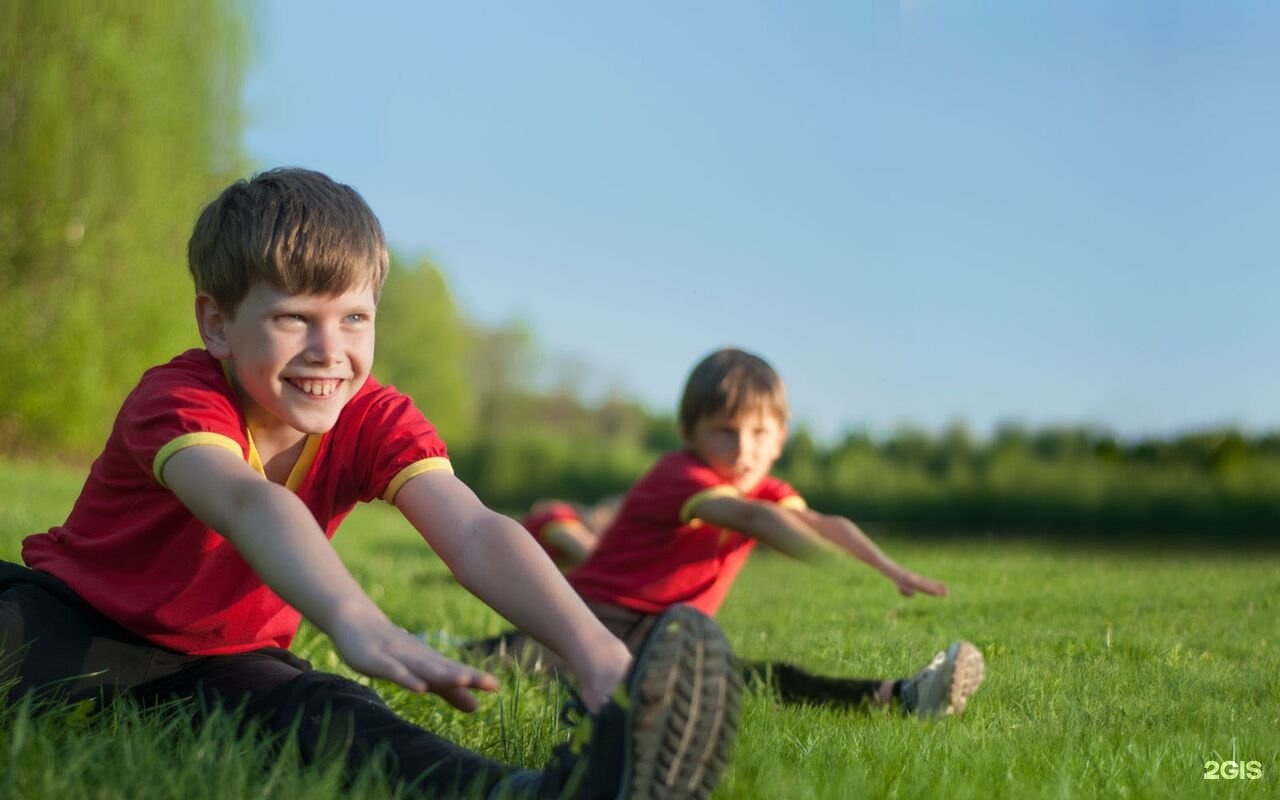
x=849, y=537
x=278, y=536
x=498, y=561
x=768, y=522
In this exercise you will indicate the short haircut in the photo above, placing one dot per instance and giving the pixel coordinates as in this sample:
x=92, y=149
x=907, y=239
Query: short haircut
x=730, y=381
x=294, y=229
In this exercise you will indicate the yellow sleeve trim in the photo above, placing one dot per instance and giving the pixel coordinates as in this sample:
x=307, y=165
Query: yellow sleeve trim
x=191, y=440
x=412, y=471
x=794, y=502
x=686, y=510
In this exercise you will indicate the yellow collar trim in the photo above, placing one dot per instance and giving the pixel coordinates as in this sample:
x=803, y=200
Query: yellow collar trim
x=305, y=459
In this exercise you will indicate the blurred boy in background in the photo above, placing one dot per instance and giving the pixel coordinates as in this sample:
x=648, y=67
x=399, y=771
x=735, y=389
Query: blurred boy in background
x=685, y=529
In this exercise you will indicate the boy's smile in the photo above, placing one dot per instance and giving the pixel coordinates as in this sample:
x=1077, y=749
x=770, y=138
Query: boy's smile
x=740, y=448
x=295, y=360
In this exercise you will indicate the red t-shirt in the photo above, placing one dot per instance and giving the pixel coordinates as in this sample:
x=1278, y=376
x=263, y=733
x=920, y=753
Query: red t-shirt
x=656, y=554
x=134, y=551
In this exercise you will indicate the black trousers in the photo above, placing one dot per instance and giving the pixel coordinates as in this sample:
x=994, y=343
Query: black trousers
x=787, y=682
x=54, y=645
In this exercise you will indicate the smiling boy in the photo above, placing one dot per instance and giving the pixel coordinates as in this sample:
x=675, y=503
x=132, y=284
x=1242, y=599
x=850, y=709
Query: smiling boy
x=201, y=537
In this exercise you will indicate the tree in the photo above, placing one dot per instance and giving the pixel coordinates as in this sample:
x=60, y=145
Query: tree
x=117, y=120
x=423, y=348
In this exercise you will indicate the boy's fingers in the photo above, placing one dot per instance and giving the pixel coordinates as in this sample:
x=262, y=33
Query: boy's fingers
x=483, y=681
x=397, y=672
x=442, y=670
x=459, y=697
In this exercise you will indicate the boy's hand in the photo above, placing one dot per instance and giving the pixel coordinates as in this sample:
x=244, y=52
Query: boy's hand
x=609, y=664
x=381, y=650
x=909, y=583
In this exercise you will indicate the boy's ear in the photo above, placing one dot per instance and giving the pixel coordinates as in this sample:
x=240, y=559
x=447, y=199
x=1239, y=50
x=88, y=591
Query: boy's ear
x=213, y=326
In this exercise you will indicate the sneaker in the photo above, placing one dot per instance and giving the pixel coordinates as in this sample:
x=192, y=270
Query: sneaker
x=668, y=730
x=943, y=687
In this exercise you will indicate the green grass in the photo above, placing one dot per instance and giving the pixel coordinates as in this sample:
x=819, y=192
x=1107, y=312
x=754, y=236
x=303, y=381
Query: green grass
x=1110, y=673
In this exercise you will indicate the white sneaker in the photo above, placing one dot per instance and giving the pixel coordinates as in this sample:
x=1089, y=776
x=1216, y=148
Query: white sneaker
x=943, y=687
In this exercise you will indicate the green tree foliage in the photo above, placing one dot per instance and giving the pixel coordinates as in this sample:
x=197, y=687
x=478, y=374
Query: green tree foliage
x=500, y=367
x=423, y=348
x=117, y=120
x=1076, y=480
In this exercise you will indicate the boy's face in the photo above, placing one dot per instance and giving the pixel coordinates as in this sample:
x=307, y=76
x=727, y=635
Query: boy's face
x=296, y=360
x=741, y=448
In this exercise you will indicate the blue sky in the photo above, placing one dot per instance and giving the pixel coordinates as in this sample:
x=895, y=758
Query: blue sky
x=1044, y=212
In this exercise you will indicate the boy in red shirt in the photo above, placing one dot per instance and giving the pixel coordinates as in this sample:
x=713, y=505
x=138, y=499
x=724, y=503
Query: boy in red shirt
x=201, y=536
x=685, y=530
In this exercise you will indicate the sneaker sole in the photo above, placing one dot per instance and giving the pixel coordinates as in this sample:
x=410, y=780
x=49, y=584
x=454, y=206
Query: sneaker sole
x=685, y=696
x=967, y=672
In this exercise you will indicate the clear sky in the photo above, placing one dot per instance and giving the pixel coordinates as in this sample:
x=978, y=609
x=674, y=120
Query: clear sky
x=1046, y=212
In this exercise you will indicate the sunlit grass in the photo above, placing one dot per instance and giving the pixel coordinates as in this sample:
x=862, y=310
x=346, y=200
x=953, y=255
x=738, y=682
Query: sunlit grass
x=1111, y=673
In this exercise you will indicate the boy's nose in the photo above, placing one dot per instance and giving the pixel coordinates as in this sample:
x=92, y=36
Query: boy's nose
x=323, y=346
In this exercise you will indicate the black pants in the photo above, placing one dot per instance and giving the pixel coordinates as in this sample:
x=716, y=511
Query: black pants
x=58, y=647
x=787, y=682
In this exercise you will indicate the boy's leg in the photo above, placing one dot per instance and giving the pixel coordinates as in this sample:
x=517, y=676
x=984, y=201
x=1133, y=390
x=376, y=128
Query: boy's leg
x=942, y=687
x=791, y=684
x=333, y=717
x=668, y=730
x=55, y=647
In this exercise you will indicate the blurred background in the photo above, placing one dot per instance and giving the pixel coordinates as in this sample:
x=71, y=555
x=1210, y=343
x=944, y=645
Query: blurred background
x=1015, y=264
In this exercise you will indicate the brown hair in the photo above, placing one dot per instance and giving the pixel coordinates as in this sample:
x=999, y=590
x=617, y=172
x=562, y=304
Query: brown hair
x=730, y=381
x=294, y=229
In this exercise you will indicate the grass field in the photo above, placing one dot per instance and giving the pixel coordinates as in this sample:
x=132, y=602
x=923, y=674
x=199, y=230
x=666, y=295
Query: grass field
x=1111, y=673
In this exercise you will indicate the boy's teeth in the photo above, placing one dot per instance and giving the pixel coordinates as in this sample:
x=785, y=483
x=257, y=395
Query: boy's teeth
x=316, y=388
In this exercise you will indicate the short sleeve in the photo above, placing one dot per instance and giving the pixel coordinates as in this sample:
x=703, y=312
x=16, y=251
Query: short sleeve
x=778, y=491
x=175, y=407
x=676, y=484
x=392, y=443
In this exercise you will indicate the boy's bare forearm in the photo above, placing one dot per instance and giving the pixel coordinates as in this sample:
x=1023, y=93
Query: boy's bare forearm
x=846, y=535
x=278, y=536
x=781, y=530
x=849, y=537
x=501, y=564
x=274, y=531
x=498, y=561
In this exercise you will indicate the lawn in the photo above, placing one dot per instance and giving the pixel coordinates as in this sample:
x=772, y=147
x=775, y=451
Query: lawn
x=1111, y=672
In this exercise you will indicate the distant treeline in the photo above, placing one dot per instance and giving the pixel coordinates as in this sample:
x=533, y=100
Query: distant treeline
x=1080, y=481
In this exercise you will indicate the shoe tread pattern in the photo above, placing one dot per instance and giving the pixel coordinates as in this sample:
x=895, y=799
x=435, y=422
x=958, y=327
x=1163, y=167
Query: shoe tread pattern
x=686, y=704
